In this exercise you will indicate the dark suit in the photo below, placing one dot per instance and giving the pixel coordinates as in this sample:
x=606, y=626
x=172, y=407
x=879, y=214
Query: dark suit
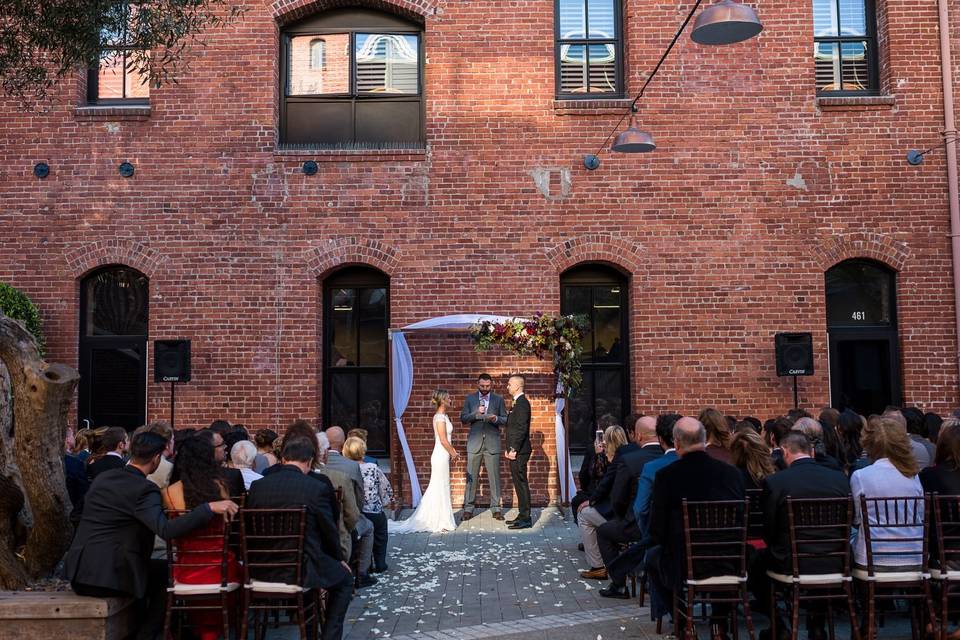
x=122, y=514
x=110, y=554
x=697, y=477
x=233, y=478
x=102, y=464
x=288, y=487
x=518, y=439
x=77, y=485
x=805, y=478
x=622, y=527
x=601, y=498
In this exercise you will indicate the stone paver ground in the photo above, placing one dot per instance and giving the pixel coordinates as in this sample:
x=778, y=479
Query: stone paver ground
x=484, y=581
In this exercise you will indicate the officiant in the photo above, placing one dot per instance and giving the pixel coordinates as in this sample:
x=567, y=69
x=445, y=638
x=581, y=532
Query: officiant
x=485, y=412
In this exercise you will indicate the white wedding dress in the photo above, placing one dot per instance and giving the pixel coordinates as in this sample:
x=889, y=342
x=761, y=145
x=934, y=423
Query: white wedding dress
x=435, y=512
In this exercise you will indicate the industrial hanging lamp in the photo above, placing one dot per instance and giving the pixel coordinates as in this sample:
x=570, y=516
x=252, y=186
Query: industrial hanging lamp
x=726, y=22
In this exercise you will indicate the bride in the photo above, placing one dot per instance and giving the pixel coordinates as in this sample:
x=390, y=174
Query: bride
x=435, y=513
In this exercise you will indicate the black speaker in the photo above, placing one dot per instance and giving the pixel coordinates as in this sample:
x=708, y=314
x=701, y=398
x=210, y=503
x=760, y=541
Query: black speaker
x=171, y=361
x=794, y=354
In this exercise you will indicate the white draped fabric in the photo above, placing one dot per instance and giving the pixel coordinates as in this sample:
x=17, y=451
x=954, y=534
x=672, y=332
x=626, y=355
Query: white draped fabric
x=402, y=363
x=402, y=385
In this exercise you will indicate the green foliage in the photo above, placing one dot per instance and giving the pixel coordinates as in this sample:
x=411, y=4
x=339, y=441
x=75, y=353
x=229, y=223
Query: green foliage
x=41, y=42
x=559, y=338
x=15, y=304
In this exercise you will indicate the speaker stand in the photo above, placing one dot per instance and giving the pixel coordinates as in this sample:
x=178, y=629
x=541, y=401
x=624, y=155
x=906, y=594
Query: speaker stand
x=796, y=395
x=173, y=399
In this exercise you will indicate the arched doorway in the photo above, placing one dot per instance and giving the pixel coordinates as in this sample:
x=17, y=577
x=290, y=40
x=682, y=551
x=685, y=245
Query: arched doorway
x=599, y=293
x=114, y=304
x=862, y=330
x=356, y=302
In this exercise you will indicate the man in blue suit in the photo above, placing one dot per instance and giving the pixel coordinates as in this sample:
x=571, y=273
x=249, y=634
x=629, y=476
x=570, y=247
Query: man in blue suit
x=484, y=412
x=633, y=555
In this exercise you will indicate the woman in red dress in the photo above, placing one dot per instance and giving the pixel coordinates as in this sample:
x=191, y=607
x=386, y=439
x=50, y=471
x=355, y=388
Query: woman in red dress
x=200, y=482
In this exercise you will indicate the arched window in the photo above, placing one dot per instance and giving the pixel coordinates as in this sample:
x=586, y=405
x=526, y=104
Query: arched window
x=599, y=293
x=114, y=315
x=356, y=316
x=864, y=344
x=318, y=54
x=366, y=91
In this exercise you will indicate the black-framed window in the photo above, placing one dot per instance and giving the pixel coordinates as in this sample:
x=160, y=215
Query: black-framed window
x=845, y=47
x=353, y=78
x=114, y=318
x=356, y=317
x=599, y=293
x=115, y=80
x=588, y=48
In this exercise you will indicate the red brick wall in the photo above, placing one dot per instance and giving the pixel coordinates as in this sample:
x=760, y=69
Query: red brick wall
x=726, y=230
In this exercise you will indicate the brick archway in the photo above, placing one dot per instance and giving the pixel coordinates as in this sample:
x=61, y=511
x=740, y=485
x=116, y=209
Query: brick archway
x=875, y=246
x=340, y=252
x=287, y=11
x=598, y=247
x=83, y=259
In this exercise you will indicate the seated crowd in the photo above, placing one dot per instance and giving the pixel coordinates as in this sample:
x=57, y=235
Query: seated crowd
x=190, y=485
x=635, y=487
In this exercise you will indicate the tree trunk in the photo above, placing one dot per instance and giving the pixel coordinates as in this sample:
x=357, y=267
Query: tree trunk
x=13, y=575
x=41, y=401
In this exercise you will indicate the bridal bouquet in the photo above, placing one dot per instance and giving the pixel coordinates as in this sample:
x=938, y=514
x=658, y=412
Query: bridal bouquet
x=559, y=337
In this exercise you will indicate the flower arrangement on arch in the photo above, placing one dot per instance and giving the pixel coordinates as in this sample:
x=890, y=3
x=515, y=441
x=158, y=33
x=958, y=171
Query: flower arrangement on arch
x=557, y=337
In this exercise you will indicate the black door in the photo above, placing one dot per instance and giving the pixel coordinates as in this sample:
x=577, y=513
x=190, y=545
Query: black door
x=864, y=344
x=113, y=348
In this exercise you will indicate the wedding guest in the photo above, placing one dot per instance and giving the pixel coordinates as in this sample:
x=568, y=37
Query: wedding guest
x=110, y=554
x=641, y=505
x=325, y=565
x=161, y=477
x=220, y=426
x=944, y=476
x=920, y=452
x=621, y=528
x=892, y=474
x=75, y=475
x=918, y=432
x=264, y=439
x=696, y=476
x=81, y=447
x=231, y=477
x=814, y=431
x=598, y=509
x=803, y=478
x=242, y=456
x=829, y=418
x=362, y=434
x=718, y=434
x=773, y=432
x=336, y=461
x=237, y=433
x=200, y=482
x=356, y=532
x=592, y=470
x=933, y=423
x=377, y=494
x=849, y=428
x=113, y=445
x=750, y=454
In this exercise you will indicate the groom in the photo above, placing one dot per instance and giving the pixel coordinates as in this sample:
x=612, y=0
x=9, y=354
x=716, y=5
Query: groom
x=485, y=412
x=518, y=449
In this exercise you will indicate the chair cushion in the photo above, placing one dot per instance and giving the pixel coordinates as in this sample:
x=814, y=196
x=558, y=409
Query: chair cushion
x=717, y=580
x=273, y=587
x=948, y=576
x=890, y=576
x=809, y=578
x=183, y=589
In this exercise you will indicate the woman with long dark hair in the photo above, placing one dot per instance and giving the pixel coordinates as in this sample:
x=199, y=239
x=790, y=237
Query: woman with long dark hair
x=850, y=428
x=199, y=482
x=718, y=434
